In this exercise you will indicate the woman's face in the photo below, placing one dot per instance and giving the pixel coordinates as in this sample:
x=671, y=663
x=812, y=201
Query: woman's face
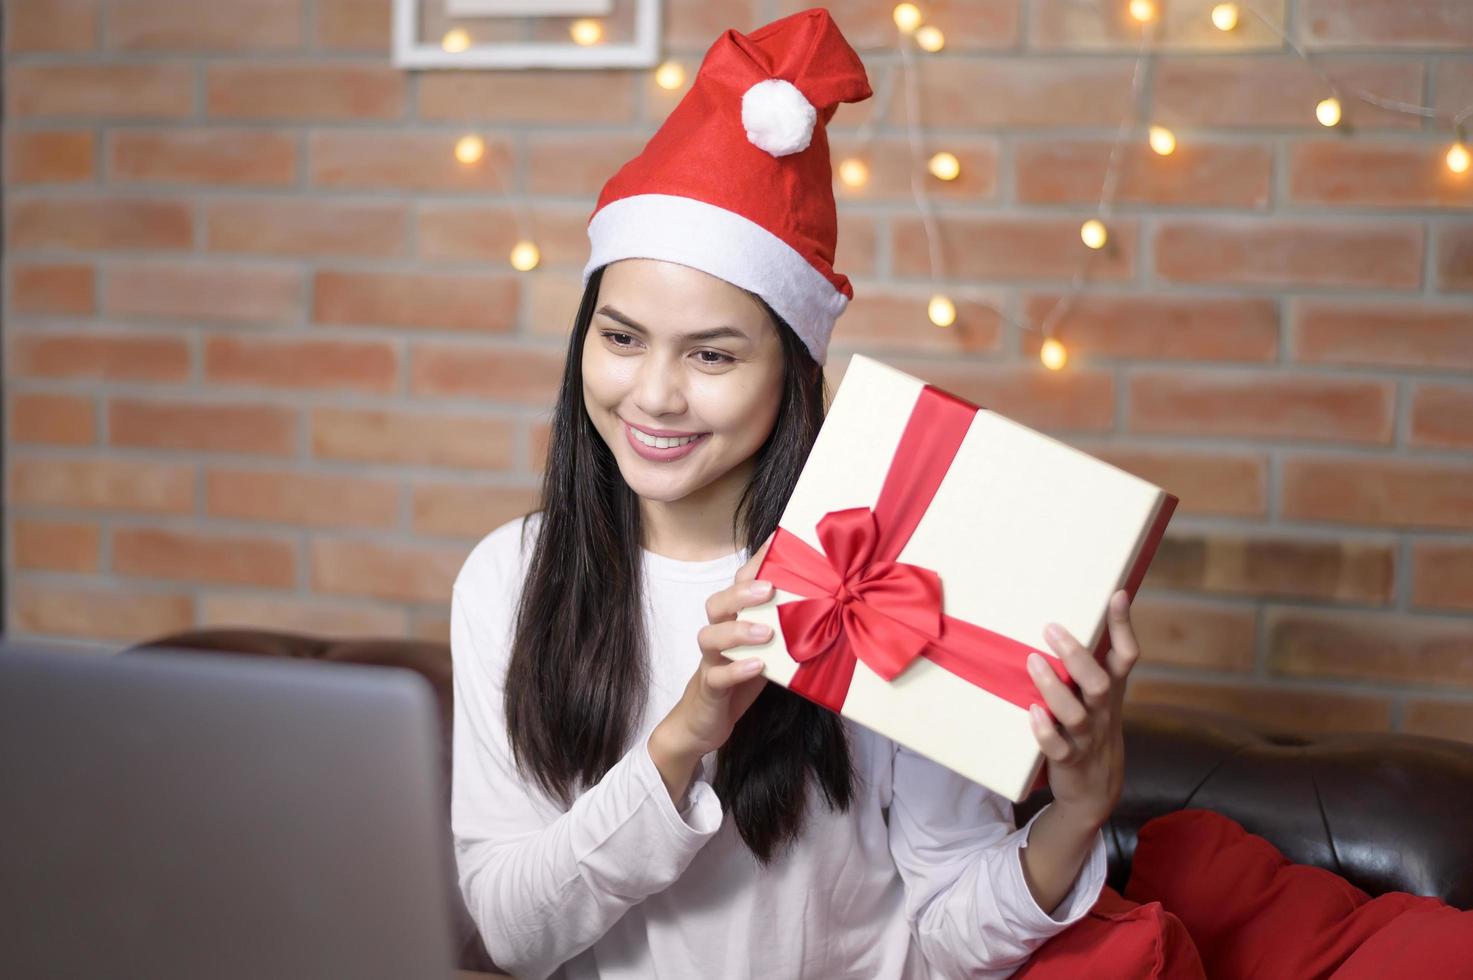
x=682, y=375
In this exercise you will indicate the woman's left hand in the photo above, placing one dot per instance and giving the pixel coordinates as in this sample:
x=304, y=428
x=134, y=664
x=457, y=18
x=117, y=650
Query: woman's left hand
x=1086, y=749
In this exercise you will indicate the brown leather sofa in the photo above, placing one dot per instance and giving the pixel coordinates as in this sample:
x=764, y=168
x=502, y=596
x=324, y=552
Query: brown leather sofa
x=1388, y=812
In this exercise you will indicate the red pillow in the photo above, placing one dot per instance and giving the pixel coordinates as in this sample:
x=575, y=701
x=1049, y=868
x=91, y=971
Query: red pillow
x=1430, y=939
x=1135, y=942
x=1252, y=913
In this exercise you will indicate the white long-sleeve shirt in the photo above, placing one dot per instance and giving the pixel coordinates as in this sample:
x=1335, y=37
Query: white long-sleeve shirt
x=921, y=877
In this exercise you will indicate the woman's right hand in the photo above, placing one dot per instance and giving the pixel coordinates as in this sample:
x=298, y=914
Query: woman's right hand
x=721, y=690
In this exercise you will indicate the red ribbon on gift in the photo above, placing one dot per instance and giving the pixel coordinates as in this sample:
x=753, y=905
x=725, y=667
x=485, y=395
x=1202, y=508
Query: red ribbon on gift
x=862, y=604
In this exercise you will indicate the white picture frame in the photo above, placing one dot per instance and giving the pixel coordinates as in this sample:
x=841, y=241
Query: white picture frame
x=529, y=8
x=413, y=53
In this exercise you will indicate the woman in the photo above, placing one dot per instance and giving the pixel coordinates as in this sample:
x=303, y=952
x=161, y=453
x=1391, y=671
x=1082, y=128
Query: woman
x=629, y=802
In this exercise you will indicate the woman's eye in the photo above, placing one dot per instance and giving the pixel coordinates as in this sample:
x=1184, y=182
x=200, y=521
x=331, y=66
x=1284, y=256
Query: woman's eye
x=619, y=339
x=720, y=357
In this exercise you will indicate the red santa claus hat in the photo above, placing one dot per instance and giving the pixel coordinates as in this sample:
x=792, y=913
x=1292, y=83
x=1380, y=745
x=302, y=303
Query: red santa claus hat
x=737, y=182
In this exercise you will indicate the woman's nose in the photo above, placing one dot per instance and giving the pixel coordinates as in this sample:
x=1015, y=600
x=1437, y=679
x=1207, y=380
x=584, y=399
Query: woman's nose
x=658, y=389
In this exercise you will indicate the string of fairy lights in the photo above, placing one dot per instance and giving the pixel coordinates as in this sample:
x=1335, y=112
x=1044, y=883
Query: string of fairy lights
x=913, y=33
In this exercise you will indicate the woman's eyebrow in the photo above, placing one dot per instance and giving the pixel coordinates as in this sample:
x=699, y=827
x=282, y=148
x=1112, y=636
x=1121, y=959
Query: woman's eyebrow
x=715, y=333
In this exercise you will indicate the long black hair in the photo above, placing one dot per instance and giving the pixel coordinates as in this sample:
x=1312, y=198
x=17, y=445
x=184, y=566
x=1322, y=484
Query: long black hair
x=578, y=678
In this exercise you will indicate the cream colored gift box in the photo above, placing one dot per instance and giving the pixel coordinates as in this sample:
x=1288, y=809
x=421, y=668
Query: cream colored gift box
x=1023, y=530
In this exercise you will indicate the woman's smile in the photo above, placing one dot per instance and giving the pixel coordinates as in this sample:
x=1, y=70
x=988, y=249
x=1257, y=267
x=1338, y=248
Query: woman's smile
x=662, y=449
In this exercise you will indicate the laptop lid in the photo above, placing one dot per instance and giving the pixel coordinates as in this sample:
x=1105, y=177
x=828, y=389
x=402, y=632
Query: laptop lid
x=177, y=815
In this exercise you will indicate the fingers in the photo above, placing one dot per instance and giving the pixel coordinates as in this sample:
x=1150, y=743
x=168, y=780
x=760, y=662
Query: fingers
x=1124, y=651
x=718, y=637
x=1095, y=684
x=1055, y=746
x=724, y=605
x=1060, y=700
x=721, y=680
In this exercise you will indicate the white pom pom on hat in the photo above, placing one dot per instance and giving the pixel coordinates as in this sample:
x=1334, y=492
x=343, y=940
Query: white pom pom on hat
x=777, y=117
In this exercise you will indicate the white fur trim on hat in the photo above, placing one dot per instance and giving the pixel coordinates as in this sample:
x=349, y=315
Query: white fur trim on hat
x=777, y=117
x=726, y=245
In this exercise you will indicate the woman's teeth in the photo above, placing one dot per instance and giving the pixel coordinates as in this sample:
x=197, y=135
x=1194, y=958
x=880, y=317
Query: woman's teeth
x=661, y=442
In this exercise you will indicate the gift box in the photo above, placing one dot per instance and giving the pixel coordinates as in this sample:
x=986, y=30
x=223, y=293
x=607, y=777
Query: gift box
x=926, y=545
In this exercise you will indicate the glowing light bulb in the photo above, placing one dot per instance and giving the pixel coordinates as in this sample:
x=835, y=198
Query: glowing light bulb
x=1458, y=158
x=1093, y=233
x=945, y=166
x=469, y=149
x=853, y=172
x=586, y=32
x=1053, y=355
x=1163, y=140
x=941, y=311
x=525, y=256
x=670, y=75
x=1328, y=111
x=1143, y=10
x=456, y=41
x=930, y=39
x=907, y=17
x=1225, y=16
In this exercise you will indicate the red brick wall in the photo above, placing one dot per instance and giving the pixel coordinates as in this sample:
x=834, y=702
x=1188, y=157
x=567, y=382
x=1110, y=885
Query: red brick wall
x=266, y=362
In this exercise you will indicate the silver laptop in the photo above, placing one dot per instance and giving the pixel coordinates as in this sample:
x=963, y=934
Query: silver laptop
x=173, y=815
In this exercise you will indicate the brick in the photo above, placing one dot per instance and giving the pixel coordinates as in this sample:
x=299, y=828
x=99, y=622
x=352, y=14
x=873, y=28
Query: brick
x=552, y=303
x=198, y=556
x=384, y=571
x=56, y=546
x=1019, y=93
x=280, y=362
x=1442, y=575
x=694, y=24
x=468, y=510
x=1452, y=86
x=58, y=289
x=538, y=437
x=411, y=161
x=459, y=233
x=1237, y=175
x=1284, y=251
x=886, y=319
x=326, y=91
x=1164, y=328
x=1277, y=91
x=103, y=484
x=211, y=156
x=451, y=302
x=1379, y=492
x=100, y=356
x=314, y=617
x=1385, y=23
x=967, y=24
x=1365, y=174
x=90, y=223
x=1081, y=400
x=527, y=377
x=1281, y=566
x=209, y=291
x=1205, y=483
x=416, y=438
x=154, y=91
x=1005, y=248
x=1414, y=334
x=305, y=499
x=578, y=164
x=1387, y=647
x=1440, y=719
x=205, y=427
x=307, y=227
x=1455, y=257
x=595, y=96
x=1272, y=708
x=51, y=25
x=179, y=25
x=1190, y=633
x=119, y=614
x=1442, y=416
x=431, y=624
x=56, y=420
x=858, y=236
x=354, y=25
x=1262, y=406
x=891, y=166
x=1066, y=25
x=58, y=156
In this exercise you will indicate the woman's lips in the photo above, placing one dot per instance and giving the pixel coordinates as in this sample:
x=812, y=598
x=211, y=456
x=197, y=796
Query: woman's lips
x=662, y=455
